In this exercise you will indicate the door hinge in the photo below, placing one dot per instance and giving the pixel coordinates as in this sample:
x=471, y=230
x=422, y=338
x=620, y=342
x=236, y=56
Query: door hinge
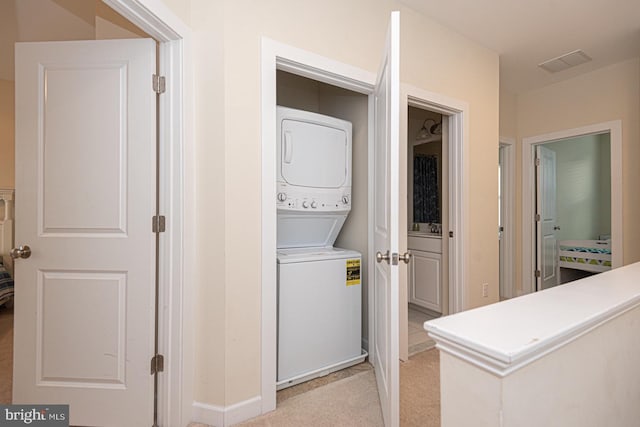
x=157, y=364
x=159, y=84
x=158, y=224
x=537, y=162
x=538, y=274
x=538, y=217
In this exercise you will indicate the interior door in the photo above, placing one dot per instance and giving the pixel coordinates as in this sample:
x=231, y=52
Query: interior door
x=85, y=197
x=501, y=220
x=386, y=226
x=547, y=257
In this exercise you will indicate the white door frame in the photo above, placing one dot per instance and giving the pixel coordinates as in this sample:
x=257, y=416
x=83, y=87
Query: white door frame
x=508, y=212
x=177, y=203
x=614, y=128
x=278, y=56
x=458, y=113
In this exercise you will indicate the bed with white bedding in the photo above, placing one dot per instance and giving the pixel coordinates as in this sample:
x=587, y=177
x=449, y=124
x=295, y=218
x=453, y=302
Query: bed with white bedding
x=6, y=287
x=586, y=255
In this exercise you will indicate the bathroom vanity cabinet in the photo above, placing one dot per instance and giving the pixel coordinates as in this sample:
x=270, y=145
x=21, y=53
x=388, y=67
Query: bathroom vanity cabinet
x=425, y=270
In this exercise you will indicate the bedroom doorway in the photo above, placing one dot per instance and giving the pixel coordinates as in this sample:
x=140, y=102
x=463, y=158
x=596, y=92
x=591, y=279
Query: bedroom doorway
x=574, y=208
x=163, y=26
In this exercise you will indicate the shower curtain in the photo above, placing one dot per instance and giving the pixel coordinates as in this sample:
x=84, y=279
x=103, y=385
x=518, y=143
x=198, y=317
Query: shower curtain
x=425, y=189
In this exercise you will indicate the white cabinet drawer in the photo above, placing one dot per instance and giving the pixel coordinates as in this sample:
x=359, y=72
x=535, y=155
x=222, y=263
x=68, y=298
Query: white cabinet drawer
x=427, y=244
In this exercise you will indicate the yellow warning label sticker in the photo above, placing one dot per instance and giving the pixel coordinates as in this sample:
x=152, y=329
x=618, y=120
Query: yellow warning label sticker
x=353, y=272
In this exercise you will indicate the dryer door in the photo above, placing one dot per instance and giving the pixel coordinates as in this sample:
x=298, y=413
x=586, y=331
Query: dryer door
x=313, y=155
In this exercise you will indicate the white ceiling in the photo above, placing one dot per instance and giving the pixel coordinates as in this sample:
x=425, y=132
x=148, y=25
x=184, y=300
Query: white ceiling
x=528, y=32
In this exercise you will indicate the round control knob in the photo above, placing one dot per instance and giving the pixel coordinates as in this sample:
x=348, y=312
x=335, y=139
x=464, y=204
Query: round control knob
x=305, y=204
x=282, y=197
x=345, y=199
x=314, y=204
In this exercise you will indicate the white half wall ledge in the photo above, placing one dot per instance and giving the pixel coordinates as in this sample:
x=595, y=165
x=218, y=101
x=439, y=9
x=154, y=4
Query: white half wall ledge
x=503, y=337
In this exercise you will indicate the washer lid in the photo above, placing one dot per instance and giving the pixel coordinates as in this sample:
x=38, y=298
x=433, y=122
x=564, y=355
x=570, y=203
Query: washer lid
x=295, y=255
x=304, y=230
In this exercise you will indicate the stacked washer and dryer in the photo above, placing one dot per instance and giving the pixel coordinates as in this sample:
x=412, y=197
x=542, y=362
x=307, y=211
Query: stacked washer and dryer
x=319, y=285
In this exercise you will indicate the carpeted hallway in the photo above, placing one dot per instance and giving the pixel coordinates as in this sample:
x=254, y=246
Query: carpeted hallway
x=353, y=401
x=420, y=390
x=346, y=398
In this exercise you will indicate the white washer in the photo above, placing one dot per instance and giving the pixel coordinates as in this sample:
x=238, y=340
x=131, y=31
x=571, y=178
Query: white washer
x=319, y=312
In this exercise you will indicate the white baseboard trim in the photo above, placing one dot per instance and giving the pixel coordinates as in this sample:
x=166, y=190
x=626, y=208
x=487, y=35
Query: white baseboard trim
x=220, y=416
x=211, y=415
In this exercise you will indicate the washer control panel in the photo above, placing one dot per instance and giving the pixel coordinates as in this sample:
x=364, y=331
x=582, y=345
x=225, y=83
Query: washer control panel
x=292, y=199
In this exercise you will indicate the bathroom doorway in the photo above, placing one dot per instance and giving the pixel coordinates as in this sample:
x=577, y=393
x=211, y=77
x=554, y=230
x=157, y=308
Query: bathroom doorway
x=438, y=254
x=426, y=188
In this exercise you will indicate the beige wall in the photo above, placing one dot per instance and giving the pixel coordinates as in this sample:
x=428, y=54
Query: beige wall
x=469, y=72
x=299, y=24
x=611, y=93
x=182, y=9
x=211, y=275
x=7, y=147
x=228, y=39
x=508, y=114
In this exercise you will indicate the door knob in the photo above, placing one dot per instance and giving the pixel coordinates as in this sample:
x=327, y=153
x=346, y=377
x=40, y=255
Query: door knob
x=380, y=257
x=21, y=252
x=406, y=257
x=556, y=228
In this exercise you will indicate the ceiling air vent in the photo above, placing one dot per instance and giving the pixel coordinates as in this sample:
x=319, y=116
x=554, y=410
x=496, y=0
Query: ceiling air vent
x=565, y=61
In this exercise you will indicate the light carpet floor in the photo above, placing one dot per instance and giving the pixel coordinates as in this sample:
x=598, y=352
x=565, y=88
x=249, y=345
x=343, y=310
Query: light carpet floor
x=351, y=401
x=354, y=401
x=420, y=390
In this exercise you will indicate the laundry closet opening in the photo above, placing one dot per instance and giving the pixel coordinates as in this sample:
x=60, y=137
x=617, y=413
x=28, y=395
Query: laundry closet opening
x=322, y=290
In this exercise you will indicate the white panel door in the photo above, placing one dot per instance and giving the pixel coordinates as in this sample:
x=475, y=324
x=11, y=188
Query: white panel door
x=386, y=200
x=502, y=210
x=85, y=196
x=547, y=256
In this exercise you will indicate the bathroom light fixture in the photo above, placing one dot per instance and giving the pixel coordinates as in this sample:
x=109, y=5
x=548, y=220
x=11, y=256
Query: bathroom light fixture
x=425, y=131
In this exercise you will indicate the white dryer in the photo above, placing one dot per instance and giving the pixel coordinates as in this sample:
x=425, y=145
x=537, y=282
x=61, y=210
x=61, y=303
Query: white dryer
x=313, y=181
